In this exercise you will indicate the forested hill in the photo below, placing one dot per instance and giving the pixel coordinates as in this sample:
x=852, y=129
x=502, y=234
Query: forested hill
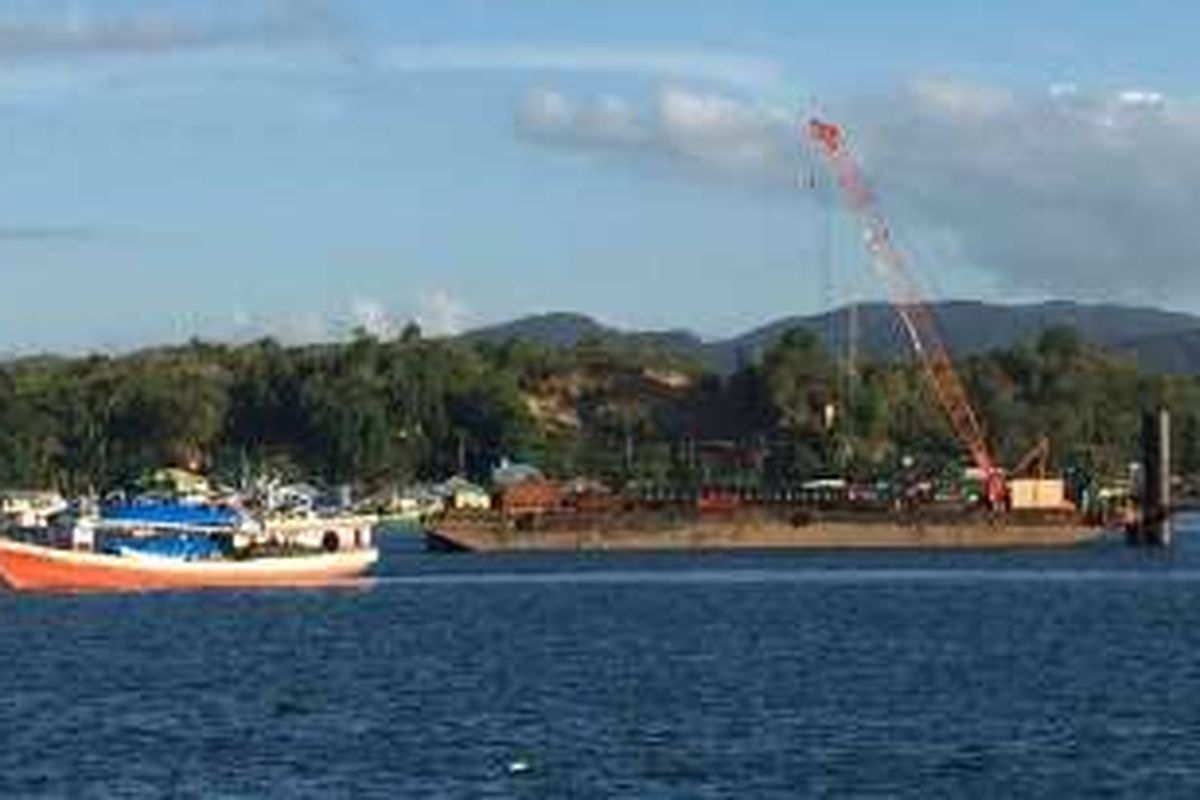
x=382, y=413
x=564, y=329
x=1161, y=341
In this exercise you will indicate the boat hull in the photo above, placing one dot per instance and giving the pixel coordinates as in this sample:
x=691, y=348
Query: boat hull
x=31, y=567
x=756, y=532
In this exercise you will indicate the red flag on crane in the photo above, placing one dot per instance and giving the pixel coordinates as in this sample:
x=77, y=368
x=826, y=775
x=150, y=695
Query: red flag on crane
x=827, y=134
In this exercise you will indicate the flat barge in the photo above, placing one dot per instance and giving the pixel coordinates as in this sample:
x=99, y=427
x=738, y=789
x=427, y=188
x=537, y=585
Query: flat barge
x=762, y=529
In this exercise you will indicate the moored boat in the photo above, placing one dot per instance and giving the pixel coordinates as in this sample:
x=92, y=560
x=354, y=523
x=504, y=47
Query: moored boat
x=33, y=567
x=163, y=546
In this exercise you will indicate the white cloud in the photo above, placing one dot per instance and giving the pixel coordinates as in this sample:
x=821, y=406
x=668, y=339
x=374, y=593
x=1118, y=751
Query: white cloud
x=734, y=69
x=546, y=110
x=92, y=30
x=1140, y=97
x=240, y=320
x=372, y=317
x=703, y=130
x=723, y=132
x=301, y=328
x=606, y=120
x=440, y=313
x=962, y=100
x=1083, y=194
x=46, y=234
x=613, y=118
x=87, y=49
x=42, y=37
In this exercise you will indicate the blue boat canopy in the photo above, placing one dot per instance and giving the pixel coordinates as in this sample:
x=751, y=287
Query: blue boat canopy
x=159, y=514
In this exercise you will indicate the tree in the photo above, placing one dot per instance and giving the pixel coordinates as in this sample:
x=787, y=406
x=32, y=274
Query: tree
x=798, y=376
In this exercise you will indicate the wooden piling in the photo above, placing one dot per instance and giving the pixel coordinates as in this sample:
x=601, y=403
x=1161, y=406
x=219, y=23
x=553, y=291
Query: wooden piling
x=1154, y=518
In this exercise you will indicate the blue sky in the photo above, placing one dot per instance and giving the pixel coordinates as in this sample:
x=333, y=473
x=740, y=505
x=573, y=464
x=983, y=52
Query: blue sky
x=229, y=169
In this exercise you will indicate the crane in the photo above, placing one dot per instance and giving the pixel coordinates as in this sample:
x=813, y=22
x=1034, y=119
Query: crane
x=907, y=298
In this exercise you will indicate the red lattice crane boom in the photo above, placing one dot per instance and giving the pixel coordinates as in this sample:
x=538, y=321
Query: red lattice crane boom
x=907, y=298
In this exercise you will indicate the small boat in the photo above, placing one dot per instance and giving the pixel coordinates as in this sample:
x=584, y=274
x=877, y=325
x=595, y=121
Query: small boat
x=170, y=546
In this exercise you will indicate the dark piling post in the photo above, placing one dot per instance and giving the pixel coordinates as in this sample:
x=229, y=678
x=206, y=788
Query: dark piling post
x=1154, y=518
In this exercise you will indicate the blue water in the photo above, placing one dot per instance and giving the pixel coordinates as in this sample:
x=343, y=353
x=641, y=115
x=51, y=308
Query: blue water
x=1062, y=674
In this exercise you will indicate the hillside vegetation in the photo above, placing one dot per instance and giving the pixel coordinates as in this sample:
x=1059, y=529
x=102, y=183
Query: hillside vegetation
x=384, y=413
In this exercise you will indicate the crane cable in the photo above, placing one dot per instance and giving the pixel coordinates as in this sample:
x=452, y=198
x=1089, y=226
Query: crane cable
x=907, y=299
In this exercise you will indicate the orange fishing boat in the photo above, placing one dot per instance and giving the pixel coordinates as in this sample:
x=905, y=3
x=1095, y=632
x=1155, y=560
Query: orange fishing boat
x=34, y=567
x=158, y=546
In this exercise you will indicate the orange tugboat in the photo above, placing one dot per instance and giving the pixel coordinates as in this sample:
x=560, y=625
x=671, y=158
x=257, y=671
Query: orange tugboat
x=168, y=546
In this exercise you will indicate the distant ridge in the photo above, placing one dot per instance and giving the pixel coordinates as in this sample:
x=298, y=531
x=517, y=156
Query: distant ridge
x=1175, y=353
x=564, y=329
x=1161, y=341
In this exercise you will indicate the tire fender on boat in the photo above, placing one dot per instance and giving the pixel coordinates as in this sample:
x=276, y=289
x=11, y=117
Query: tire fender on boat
x=330, y=542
